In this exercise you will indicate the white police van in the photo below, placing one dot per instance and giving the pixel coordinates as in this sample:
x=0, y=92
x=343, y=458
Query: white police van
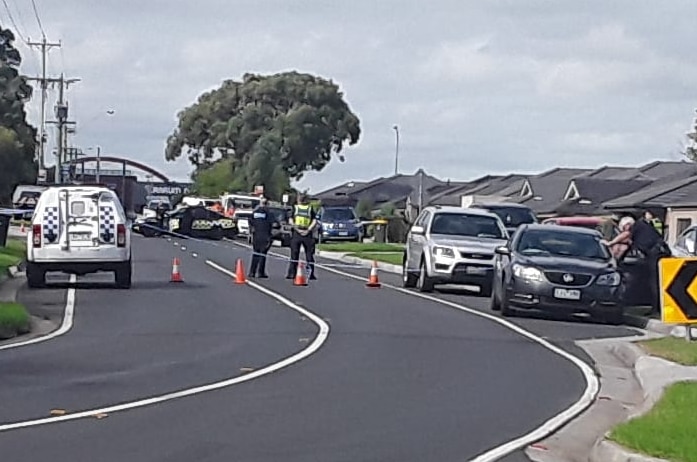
x=78, y=229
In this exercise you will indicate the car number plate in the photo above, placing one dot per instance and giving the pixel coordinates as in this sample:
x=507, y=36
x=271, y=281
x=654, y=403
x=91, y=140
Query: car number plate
x=567, y=294
x=343, y=233
x=80, y=236
x=475, y=270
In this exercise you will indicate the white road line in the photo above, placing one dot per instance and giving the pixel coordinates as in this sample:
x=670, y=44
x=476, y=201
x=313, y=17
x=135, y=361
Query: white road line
x=317, y=342
x=66, y=324
x=551, y=425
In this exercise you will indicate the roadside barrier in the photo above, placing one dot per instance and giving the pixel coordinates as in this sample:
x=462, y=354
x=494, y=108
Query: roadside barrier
x=172, y=234
x=373, y=278
x=176, y=275
x=240, y=277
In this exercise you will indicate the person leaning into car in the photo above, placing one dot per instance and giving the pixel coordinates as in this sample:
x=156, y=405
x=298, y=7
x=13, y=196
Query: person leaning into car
x=646, y=239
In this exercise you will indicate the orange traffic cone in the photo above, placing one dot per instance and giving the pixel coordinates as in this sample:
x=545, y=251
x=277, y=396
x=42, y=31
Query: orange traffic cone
x=176, y=275
x=240, y=278
x=300, y=276
x=373, y=279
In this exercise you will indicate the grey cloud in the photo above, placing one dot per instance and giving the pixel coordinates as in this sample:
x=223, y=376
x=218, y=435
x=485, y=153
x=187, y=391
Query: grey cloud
x=476, y=87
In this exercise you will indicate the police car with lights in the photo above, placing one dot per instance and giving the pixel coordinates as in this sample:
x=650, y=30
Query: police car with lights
x=79, y=230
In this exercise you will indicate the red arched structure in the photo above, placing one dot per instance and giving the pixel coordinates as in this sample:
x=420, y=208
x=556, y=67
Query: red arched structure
x=124, y=162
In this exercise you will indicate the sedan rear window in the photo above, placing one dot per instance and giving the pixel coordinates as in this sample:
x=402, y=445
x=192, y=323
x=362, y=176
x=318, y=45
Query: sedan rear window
x=562, y=243
x=462, y=224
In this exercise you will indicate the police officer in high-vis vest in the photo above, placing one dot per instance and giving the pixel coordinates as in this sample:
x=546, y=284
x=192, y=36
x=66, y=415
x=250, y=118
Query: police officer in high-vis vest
x=304, y=221
x=260, y=227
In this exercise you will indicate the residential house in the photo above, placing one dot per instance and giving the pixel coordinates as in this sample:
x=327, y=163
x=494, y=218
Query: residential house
x=489, y=186
x=674, y=201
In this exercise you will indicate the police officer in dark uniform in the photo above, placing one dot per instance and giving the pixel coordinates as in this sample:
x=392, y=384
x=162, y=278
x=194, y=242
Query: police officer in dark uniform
x=260, y=227
x=304, y=222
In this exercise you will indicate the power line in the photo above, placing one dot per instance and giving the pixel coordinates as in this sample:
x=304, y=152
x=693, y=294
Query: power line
x=38, y=19
x=12, y=20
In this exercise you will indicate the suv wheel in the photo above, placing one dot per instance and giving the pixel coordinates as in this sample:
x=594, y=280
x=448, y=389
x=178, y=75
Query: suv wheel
x=424, y=283
x=36, y=277
x=408, y=278
x=123, y=275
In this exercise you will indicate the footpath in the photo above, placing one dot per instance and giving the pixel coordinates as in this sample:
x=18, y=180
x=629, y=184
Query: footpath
x=647, y=401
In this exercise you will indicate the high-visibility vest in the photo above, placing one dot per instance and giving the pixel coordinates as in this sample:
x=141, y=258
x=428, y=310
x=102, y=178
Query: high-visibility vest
x=658, y=225
x=302, y=217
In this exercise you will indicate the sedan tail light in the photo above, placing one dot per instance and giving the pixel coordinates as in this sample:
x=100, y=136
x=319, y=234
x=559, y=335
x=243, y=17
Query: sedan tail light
x=36, y=235
x=121, y=235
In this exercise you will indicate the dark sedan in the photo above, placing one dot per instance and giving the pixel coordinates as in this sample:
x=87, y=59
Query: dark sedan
x=557, y=269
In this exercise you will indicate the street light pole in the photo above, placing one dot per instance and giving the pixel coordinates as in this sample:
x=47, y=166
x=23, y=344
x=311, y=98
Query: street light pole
x=99, y=152
x=396, y=150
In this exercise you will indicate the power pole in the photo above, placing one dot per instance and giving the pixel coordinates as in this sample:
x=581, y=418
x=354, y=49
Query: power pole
x=62, y=123
x=44, y=46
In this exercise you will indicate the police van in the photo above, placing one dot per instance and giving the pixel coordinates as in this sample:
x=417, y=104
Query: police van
x=79, y=230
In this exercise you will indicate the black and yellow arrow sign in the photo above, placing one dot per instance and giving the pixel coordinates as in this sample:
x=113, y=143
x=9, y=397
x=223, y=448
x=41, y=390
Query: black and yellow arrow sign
x=678, y=277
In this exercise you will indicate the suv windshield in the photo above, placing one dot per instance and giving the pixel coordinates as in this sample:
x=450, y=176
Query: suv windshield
x=513, y=216
x=562, y=243
x=338, y=215
x=463, y=224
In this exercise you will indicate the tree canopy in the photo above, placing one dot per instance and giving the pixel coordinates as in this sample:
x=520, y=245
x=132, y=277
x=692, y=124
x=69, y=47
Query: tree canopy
x=263, y=130
x=17, y=137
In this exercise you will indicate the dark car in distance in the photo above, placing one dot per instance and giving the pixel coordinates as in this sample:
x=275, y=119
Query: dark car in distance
x=557, y=269
x=281, y=230
x=512, y=215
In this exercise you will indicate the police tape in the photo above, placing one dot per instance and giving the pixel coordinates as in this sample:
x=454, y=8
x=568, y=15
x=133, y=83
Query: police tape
x=166, y=232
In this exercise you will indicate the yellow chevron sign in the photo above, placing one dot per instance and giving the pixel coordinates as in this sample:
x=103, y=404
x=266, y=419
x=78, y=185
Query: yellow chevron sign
x=678, y=284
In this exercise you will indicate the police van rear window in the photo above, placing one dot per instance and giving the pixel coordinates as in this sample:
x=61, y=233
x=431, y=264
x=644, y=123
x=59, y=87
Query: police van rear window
x=77, y=208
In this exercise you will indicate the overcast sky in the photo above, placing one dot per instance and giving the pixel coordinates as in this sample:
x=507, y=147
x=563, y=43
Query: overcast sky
x=476, y=87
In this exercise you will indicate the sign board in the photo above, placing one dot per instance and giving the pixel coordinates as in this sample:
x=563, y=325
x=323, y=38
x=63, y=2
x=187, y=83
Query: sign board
x=678, y=284
x=259, y=189
x=42, y=175
x=285, y=198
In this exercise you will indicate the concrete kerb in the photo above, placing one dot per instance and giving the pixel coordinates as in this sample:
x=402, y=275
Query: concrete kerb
x=344, y=257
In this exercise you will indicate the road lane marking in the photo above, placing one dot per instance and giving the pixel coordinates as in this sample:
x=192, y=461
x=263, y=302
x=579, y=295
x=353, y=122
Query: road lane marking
x=315, y=345
x=550, y=426
x=66, y=323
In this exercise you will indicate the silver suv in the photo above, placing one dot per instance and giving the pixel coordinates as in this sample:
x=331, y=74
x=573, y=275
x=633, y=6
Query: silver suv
x=452, y=245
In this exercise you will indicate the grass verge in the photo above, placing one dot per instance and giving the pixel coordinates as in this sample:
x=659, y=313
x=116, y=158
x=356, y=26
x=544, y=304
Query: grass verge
x=13, y=253
x=360, y=247
x=668, y=430
x=13, y=317
x=394, y=258
x=673, y=349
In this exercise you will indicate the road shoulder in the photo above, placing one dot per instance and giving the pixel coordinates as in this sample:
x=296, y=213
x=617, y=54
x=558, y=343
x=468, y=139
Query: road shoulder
x=631, y=383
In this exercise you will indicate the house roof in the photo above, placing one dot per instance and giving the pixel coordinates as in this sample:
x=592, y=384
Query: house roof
x=486, y=186
x=591, y=193
x=607, y=172
x=341, y=190
x=657, y=194
x=548, y=188
x=396, y=188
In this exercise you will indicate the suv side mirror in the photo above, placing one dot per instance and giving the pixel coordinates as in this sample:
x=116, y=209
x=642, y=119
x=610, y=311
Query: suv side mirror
x=418, y=229
x=503, y=250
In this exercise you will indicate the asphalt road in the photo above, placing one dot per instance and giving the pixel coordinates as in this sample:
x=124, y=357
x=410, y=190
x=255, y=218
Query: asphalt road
x=399, y=377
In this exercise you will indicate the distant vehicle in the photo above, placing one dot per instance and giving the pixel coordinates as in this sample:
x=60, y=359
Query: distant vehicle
x=452, y=245
x=25, y=197
x=239, y=207
x=199, y=222
x=79, y=230
x=340, y=223
x=512, y=215
x=154, y=206
x=557, y=269
x=685, y=244
x=281, y=231
x=193, y=201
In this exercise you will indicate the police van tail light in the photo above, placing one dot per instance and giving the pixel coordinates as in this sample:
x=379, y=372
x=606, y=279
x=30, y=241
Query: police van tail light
x=121, y=235
x=36, y=235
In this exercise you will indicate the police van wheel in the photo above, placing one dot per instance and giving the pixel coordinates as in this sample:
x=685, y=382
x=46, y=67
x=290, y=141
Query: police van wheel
x=123, y=276
x=36, y=277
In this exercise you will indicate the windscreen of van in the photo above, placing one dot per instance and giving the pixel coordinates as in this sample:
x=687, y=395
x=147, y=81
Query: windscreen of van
x=243, y=204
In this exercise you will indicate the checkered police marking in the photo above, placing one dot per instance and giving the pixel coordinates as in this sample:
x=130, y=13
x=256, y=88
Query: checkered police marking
x=50, y=221
x=107, y=223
